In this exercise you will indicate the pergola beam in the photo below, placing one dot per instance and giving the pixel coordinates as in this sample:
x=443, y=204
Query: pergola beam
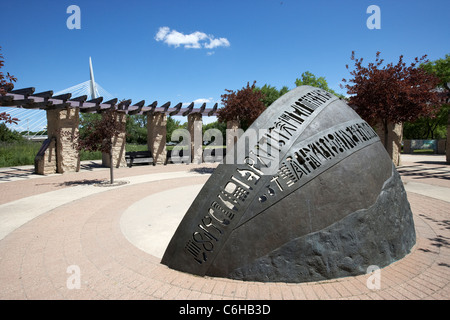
x=176, y=109
x=188, y=110
x=139, y=106
x=24, y=91
x=26, y=98
x=96, y=106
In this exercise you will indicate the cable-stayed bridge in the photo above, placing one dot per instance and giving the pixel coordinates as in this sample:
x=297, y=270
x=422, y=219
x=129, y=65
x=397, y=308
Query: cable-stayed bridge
x=33, y=122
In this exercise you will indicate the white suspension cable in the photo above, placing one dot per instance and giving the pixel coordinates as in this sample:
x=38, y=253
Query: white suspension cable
x=35, y=120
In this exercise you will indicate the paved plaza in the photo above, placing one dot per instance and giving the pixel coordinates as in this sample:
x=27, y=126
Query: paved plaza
x=65, y=237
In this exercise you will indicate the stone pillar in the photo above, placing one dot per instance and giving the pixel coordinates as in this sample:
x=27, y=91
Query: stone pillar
x=441, y=146
x=393, y=147
x=232, y=135
x=447, y=145
x=45, y=160
x=407, y=146
x=62, y=124
x=195, y=127
x=156, y=138
x=118, y=146
x=233, y=132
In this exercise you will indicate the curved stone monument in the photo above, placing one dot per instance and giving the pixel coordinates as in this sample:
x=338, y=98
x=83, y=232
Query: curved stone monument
x=309, y=193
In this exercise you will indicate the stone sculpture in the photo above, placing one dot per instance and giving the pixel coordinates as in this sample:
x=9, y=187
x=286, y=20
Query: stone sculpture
x=309, y=193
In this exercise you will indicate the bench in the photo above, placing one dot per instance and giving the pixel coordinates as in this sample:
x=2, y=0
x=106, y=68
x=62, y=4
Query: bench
x=209, y=156
x=134, y=157
x=178, y=158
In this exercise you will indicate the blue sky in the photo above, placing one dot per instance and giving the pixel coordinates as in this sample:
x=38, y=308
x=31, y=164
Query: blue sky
x=209, y=46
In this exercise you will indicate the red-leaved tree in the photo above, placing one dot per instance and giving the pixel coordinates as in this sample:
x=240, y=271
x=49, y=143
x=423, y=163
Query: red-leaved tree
x=100, y=135
x=391, y=93
x=244, y=105
x=6, y=85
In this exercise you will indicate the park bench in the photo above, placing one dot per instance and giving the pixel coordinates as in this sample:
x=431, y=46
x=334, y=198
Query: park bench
x=134, y=157
x=180, y=158
x=212, y=157
x=207, y=157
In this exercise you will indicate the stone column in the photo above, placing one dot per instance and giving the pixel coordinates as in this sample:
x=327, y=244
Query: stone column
x=441, y=146
x=195, y=126
x=156, y=138
x=233, y=132
x=45, y=160
x=447, y=145
x=232, y=135
x=394, y=138
x=118, y=146
x=407, y=146
x=62, y=124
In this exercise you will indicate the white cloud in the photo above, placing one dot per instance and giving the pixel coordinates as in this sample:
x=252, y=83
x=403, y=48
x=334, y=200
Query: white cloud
x=203, y=100
x=214, y=43
x=161, y=34
x=199, y=101
x=194, y=40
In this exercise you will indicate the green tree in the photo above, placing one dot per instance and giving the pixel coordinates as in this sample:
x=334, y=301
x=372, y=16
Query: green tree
x=8, y=135
x=271, y=94
x=171, y=126
x=309, y=79
x=435, y=125
x=221, y=126
x=441, y=69
x=136, y=128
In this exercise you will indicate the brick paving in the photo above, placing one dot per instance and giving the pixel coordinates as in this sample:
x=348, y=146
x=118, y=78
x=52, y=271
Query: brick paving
x=38, y=258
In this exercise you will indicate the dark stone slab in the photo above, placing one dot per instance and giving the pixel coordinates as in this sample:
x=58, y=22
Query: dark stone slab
x=366, y=237
x=308, y=164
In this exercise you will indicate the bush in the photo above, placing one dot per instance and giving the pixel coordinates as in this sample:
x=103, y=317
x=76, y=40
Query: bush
x=7, y=135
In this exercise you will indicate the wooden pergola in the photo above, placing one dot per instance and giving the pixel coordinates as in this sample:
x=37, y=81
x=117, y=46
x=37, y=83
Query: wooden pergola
x=26, y=98
x=58, y=154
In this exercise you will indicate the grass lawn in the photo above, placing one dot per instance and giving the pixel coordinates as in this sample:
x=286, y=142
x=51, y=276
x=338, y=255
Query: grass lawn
x=424, y=151
x=18, y=153
x=23, y=153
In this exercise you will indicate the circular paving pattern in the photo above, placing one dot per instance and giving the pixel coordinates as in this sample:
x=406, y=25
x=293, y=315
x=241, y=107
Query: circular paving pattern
x=84, y=249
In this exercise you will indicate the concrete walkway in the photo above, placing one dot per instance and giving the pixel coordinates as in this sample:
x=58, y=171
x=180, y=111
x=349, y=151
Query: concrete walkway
x=62, y=237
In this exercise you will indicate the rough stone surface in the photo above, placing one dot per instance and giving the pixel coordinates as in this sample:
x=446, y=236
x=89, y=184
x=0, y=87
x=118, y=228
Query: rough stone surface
x=407, y=146
x=195, y=124
x=378, y=235
x=394, y=139
x=157, y=132
x=447, y=145
x=45, y=161
x=441, y=146
x=63, y=126
x=233, y=133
